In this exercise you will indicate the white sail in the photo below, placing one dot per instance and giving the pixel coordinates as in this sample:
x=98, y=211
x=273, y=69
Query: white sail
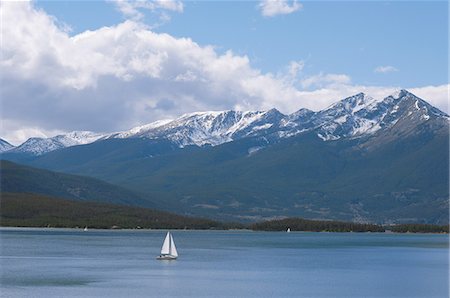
x=173, y=249
x=165, y=250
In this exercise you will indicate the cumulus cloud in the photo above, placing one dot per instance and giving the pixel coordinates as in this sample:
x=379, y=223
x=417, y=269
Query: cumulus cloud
x=117, y=77
x=385, y=69
x=271, y=8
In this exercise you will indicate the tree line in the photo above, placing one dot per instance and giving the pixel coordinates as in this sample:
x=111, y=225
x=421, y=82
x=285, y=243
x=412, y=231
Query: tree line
x=32, y=210
x=300, y=224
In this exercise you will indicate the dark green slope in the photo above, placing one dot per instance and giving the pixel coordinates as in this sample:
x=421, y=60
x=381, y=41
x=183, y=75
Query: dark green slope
x=402, y=181
x=387, y=178
x=32, y=210
x=213, y=176
x=17, y=178
x=306, y=177
x=101, y=158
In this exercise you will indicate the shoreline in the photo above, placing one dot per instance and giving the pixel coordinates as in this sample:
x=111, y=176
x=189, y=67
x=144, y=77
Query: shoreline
x=206, y=230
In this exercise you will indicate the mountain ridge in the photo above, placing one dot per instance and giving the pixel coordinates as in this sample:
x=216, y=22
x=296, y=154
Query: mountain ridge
x=356, y=116
x=5, y=146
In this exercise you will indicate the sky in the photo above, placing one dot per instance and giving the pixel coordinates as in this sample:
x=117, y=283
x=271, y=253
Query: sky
x=108, y=66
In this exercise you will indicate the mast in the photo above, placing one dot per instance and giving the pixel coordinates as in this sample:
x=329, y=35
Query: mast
x=170, y=243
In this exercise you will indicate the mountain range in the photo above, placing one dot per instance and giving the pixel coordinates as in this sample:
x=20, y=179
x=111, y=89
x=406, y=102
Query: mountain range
x=354, y=117
x=362, y=159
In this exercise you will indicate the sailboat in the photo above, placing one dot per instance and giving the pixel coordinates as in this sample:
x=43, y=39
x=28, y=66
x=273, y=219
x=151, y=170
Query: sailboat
x=288, y=230
x=168, y=250
x=85, y=228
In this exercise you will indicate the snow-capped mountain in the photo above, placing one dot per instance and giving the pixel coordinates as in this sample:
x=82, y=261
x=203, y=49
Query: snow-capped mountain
x=353, y=117
x=5, y=146
x=39, y=146
x=203, y=128
x=361, y=115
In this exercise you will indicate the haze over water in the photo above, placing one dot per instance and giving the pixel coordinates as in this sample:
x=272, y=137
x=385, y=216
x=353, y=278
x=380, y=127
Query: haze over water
x=73, y=263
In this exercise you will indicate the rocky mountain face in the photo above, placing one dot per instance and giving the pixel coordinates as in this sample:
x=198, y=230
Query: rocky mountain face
x=357, y=116
x=353, y=117
x=39, y=146
x=5, y=146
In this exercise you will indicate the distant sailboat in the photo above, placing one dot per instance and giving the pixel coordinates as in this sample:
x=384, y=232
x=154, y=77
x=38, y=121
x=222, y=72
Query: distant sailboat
x=288, y=230
x=85, y=228
x=168, y=250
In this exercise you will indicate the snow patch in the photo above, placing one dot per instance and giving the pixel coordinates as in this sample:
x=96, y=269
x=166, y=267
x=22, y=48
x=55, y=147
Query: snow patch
x=253, y=150
x=395, y=109
x=416, y=105
x=143, y=128
x=366, y=127
x=341, y=120
x=328, y=137
x=261, y=127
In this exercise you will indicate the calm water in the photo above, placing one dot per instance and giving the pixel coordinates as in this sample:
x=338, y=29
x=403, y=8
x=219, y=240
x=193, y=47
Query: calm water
x=73, y=263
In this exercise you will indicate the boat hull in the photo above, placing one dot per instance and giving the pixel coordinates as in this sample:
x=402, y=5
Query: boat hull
x=166, y=257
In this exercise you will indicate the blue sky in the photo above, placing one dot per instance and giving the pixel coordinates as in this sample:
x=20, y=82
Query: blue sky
x=111, y=65
x=332, y=37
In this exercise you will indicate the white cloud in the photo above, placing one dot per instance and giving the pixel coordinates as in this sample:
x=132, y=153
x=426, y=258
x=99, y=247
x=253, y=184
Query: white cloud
x=16, y=132
x=295, y=67
x=134, y=9
x=321, y=80
x=126, y=75
x=271, y=8
x=116, y=77
x=169, y=5
x=385, y=69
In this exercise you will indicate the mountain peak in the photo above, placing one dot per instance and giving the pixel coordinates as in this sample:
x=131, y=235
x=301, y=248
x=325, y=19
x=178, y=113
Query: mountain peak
x=397, y=94
x=300, y=113
x=5, y=145
x=353, y=104
x=274, y=112
x=418, y=104
x=39, y=146
x=355, y=116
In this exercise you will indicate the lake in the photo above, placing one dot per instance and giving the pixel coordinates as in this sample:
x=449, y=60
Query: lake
x=121, y=263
